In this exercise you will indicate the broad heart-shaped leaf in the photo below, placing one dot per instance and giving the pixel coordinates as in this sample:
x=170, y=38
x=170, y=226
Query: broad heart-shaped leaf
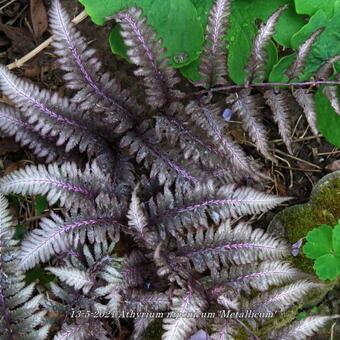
x=310, y=7
x=328, y=119
x=336, y=239
x=242, y=31
x=319, y=242
x=326, y=46
x=327, y=267
x=174, y=21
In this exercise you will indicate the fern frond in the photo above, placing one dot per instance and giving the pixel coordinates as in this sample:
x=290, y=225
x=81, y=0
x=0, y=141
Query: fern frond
x=82, y=329
x=331, y=92
x=278, y=101
x=66, y=184
x=260, y=276
x=20, y=315
x=238, y=246
x=191, y=207
x=307, y=103
x=213, y=66
x=222, y=330
x=300, y=61
x=207, y=118
x=83, y=72
x=301, y=330
x=141, y=301
x=326, y=69
x=283, y=298
x=181, y=325
x=56, y=236
x=147, y=52
x=258, y=58
x=248, y=107
x=138, y=222
x=13, y=124
x=76, y=278
x=53, y=116
x=163, y=163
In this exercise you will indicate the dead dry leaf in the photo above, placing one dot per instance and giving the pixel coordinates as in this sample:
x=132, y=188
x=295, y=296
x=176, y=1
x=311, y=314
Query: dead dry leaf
x=8, y=146
x=39, y=17
x=334, y=166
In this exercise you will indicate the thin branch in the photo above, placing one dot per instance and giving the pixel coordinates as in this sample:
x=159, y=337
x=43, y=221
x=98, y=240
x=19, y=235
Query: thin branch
x=265, y=85
x=19, y=63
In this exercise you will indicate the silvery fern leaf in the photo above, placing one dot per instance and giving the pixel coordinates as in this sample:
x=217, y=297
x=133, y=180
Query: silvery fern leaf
x=147, y=52
x=240, y=245
x=164, y=164
x=141, y=301
x=21, y=315
x=279, y=102
x=248, y=107
x=83, y=72
x=258, y=58
x=301, y=330
x=307, y=103
x=138, y=223
x=207, y=118
x=190, y=208
x=326, y=69
x=300, y=61
x=140, y=325
x=52, y=116
x=83, y=329
x=56, y=236
x=78, y=279
x=332, y=93
x=12, y=123
x=222, y=330
x=213, y=66
x=260, y=276
x=282, y=298
x=66, y=183
x=181, y=325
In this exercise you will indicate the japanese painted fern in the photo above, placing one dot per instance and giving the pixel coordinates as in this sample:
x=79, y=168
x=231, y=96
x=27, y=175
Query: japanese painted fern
x=162, y=179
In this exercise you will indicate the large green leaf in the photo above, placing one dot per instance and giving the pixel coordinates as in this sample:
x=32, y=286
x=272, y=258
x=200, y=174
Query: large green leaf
x=175, y=21
x=323, y=245
x=328, y=119
x=327, y=267
x=242, y=31
x=326, y=46
x=319, y=242
x=311, y=6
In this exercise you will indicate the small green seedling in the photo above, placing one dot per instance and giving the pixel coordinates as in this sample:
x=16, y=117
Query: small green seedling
x=323, y=246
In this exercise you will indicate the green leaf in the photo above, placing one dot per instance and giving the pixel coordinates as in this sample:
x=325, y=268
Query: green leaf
x=311, y=6
x=243, y=29
x=326, y=46
x=117, y=43
x=336, y=239
x=327, y=267
x=41, y=204
x=175, y=22
x=20, y=232
x=319, y=242
x=328, y=119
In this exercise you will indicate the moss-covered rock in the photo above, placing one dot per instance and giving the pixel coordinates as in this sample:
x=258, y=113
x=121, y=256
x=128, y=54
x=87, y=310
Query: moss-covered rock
x=295, y=222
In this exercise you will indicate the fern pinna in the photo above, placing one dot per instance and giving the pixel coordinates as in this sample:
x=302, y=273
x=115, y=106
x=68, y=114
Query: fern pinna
x=164, y=177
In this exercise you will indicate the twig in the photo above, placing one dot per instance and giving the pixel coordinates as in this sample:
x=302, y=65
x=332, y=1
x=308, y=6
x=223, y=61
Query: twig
x=18, y=63
x=297, y=159
x=6, y=5
x=266, y=85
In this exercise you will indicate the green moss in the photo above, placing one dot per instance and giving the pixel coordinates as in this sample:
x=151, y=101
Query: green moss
x=154, y=331
x=323, y=208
